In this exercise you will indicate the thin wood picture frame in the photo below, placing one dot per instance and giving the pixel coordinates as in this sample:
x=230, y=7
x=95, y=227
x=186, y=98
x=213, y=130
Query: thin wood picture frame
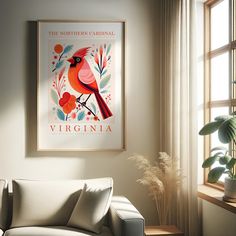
x=81, y=86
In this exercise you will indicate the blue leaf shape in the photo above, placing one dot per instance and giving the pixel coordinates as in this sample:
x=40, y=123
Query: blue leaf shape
x=94, y=108
x=67, y=48
x=60, y=114
x=104, y=82
x=81, y=115
x=59, y=64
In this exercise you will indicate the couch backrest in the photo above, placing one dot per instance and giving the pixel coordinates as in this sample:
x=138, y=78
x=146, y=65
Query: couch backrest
x=3, y=203
x=48, y=202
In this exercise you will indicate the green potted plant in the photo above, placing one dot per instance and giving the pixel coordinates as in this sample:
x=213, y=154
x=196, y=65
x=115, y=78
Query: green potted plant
x=226, y=127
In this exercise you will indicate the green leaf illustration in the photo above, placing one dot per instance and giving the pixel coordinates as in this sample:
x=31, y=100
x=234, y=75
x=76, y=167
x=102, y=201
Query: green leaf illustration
x=93, y=108
x=96, y=69
x=60, y=114
x=108, y=49
x=54, y=96
x=104, y=91
x=104, y=82
x=104, y=72
x=81, y=115
x=59, y=64
x=67, y=48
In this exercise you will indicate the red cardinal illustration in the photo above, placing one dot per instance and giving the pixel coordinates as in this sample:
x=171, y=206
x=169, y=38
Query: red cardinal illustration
x=82, y=80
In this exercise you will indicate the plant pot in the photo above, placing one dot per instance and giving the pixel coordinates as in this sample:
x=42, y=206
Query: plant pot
x=230, y=190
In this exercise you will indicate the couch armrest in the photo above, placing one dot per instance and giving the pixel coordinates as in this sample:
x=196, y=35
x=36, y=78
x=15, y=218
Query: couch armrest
x=124, y=218
x=3, y=204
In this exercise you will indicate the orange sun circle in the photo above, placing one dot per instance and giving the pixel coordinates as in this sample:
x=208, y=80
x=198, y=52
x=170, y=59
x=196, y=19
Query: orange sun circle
x=58, y=48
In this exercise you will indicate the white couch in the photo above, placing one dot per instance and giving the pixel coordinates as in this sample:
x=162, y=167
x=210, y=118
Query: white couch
x=52, y=208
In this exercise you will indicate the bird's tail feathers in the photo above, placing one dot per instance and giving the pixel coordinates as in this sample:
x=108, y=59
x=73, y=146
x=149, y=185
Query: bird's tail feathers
x=104, y=109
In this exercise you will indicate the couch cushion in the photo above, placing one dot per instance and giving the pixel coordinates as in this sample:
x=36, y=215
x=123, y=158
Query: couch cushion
x=3, y=203
x=48, y=202
x=91, y=209
x=53, y=231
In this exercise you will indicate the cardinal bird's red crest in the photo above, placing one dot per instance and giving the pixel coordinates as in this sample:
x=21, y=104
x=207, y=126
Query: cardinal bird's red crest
x=81, y=52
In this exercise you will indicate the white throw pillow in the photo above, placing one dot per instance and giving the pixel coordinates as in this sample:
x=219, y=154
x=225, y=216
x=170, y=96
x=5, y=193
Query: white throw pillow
x=45, y=203
x=91, y=208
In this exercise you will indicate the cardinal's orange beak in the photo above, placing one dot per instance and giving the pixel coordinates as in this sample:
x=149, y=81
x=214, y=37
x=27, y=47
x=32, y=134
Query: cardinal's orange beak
x=71, y=60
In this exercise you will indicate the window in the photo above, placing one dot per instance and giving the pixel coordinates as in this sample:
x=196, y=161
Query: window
x=220, y=59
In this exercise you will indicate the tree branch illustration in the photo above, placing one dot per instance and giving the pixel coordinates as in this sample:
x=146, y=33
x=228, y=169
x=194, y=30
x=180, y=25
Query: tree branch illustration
x=83, y=105
x=59, y=60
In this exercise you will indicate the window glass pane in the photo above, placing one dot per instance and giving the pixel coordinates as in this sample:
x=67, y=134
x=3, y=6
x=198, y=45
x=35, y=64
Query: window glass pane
x=220, y=77
x=220, y=24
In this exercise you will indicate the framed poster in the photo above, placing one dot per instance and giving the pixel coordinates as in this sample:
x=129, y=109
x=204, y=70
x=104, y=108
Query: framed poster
x=80, y=86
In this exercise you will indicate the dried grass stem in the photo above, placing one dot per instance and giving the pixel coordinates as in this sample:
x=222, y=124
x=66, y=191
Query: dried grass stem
x=162, y=180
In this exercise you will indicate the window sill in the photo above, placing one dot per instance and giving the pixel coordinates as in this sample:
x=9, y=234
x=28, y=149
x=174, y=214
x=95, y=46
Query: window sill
x=215, y=196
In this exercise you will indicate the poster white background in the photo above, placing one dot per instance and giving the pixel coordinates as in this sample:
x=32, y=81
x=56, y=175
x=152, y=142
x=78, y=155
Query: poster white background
x=77, y=134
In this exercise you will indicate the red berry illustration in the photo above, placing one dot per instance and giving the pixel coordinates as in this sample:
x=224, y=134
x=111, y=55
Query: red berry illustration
x=58, y=48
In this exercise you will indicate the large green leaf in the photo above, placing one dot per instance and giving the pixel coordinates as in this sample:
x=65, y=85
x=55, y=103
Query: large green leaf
x=215, y=174
x=219, y=154
x=218, y=149
x=231, y=163
x=210, y=127
x=209, y=161
x=227, y=130
x=222, y=118
x=225, y=160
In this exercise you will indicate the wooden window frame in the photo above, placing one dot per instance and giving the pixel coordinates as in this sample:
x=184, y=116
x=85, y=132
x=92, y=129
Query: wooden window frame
x=208, y=55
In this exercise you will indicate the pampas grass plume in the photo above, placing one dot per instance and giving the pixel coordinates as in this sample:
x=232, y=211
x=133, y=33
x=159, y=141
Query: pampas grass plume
x=162, y=180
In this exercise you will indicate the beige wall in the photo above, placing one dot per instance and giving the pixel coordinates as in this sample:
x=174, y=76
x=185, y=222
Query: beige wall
x=18, y=156
x=217, y=221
